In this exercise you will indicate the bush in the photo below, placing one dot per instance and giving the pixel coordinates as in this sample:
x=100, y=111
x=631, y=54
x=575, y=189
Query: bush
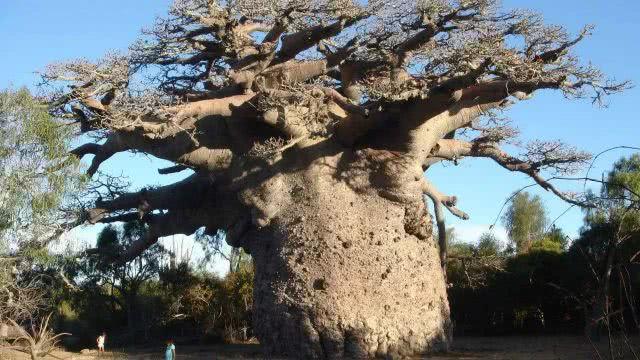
x=213, y=308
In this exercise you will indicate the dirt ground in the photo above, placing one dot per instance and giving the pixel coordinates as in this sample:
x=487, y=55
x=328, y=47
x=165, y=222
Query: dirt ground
x=464, y=348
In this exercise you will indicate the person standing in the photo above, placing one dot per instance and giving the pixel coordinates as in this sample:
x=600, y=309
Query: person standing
x=170, y=352
x=100, y=342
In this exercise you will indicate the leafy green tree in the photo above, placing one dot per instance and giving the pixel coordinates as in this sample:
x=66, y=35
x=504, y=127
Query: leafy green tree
x=617, y=217
x=623, y=182
x=115, y=282
x=219, y=308
x=559, y=285
x=555, y=240
x=472, y=266
x=36, y=177
x=488, y=245
x=611, y=239
x=525, y=220
x=37, y=173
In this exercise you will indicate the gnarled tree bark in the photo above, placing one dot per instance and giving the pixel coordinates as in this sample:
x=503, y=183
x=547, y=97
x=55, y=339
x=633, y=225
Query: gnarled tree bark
x=343, y=273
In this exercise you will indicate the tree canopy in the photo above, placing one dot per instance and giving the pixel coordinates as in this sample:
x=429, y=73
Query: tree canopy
x=525, y=220
x=37, y=173
x=223, y=87
x=36, y=177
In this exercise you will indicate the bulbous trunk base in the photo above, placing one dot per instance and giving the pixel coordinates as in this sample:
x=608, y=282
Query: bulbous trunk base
x=341, y=274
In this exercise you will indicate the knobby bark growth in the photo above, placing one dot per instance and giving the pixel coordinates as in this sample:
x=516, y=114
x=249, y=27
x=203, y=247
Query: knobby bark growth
x=308, y=127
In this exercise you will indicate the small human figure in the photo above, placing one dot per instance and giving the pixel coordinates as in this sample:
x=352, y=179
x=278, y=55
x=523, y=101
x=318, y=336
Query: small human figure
x=170, y=352
x=100, y=342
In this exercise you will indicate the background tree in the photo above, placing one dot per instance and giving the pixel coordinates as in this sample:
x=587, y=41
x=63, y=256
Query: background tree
x=525, y=220
x=488, y=245
x=213, y=245
x=589, y=284
x=553, y=240
x=308, y=127
x=217, y=308
x=474, y=264
x=471, y=273
x=120, y=284
x=36, y=176
x=610, y=243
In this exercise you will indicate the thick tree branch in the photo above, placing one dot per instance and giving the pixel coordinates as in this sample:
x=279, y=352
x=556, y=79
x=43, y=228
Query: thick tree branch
x=345, y=103
x=112, y=145
x=172, y=169
x=555, y=54
x=440, y=200
x=159, y=225
x=446, y=200
x=421, y=38
x=185, y=193
x=215, y=107
x=293, y=44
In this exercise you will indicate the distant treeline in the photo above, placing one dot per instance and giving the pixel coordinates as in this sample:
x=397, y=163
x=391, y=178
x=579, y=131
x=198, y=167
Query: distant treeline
x=544, y=283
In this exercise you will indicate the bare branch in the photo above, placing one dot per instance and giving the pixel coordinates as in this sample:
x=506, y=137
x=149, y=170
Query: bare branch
x=452, y=149
x=172, y=169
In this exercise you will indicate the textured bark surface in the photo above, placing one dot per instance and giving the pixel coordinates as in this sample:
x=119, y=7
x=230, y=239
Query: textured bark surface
x=347, y=273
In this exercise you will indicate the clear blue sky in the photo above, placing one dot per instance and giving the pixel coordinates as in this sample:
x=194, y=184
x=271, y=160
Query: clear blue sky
x=34, y=33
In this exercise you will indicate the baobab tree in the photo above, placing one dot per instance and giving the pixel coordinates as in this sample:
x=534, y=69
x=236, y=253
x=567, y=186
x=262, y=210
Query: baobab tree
x=308, y=127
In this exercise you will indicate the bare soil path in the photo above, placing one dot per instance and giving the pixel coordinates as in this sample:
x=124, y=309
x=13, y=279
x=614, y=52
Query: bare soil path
x=465, y=348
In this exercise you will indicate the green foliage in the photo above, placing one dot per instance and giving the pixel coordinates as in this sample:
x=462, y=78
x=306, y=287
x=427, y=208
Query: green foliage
x=488, y=245
x=623, y=189
x=172, y=298
x=37, y=173
x=472, y=266
x=546, y=244
x=624, y=179
x=619, y=197
x=554, y=285
x=112, y=286
x=515, y=297
x=525, y=220
x=616, y=222
x=114, y=240
x=218, y=307
x=36, y=177
x=553, y=241
x=610, y=242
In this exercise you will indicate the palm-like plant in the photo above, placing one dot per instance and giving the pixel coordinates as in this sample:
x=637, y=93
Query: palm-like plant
x=39, y=342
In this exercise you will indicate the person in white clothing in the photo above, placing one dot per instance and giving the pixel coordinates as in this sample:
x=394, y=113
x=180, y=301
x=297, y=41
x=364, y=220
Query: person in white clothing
x=100, y=342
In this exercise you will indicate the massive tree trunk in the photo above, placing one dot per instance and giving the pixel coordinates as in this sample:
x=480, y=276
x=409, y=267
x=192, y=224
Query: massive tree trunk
x=345, y=272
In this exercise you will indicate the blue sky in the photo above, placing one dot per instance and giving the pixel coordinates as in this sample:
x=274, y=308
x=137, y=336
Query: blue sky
x=34, y=33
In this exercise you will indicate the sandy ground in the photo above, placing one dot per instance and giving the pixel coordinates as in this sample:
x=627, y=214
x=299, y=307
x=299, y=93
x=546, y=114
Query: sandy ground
x=466, y=348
